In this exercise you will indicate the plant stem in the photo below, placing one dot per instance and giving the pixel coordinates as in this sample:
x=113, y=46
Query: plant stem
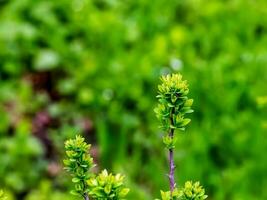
x=171, y=160
x=86, y=197
x=172, y=166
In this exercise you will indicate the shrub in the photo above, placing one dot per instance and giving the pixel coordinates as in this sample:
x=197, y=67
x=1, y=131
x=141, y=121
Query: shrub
x=171, y=110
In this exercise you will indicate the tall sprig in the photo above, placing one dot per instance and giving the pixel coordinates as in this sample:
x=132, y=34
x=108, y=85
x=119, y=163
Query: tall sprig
x=171, y=110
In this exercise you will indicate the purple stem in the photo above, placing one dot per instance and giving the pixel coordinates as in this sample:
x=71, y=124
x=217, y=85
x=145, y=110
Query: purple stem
x=171, y=160
x=86, y=197
x=172, y=166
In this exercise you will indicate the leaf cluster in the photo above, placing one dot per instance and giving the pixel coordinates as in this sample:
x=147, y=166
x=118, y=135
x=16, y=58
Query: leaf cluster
x=169, y=141
x=190, y=191
x=173, y=106
x=107, y=186
x=173, y=102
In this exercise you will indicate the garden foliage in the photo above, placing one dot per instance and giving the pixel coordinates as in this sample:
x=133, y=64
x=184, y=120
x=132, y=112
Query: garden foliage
x=90, y=67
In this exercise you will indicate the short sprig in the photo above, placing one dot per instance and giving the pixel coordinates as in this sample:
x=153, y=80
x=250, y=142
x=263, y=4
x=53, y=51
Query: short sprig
x=103, y=186
x=173, y=102
x=107, y=187
x=171, y=110
x=78, y=164
x=190, y=191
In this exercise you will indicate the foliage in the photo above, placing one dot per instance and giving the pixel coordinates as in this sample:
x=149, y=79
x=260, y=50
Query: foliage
x=46, y=191
x=2, y=195
x=107, y=186
x=24, y=151
x=190, y=191
x=173, y=105
x=90, y=67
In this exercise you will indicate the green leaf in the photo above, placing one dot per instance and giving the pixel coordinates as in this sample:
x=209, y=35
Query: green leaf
x=124, y=192
x=75, y=180
x=185, y=122
x=74, y=192
x=169, y=141
x=189, y=103
x=107, y=189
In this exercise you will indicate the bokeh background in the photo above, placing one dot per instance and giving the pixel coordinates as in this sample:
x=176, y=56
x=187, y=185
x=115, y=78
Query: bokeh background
x=91, y=67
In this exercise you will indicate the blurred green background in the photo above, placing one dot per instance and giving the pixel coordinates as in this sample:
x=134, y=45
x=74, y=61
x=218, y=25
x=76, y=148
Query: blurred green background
x=92, y=67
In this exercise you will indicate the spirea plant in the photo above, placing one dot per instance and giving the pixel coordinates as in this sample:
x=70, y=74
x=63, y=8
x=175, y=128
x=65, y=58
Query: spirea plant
x=86, y=184
x=172, y=110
